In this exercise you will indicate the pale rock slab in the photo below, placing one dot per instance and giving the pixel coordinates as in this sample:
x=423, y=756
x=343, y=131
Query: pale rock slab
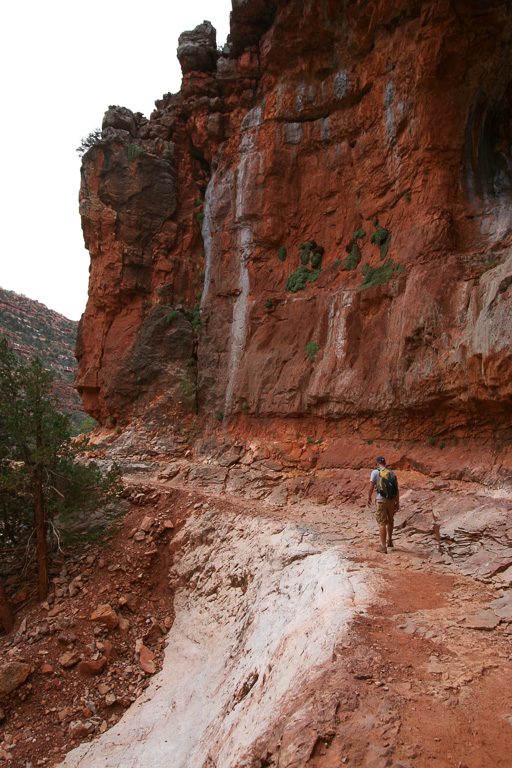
x=259, y=607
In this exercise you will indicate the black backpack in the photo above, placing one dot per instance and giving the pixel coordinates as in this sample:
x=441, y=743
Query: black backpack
x=388, y=484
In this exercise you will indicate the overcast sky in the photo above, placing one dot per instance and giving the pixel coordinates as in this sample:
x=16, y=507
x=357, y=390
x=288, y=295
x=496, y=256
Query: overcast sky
x=63, y=63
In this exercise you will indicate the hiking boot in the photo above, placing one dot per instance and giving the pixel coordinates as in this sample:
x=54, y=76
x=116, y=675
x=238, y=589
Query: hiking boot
x=390, y=544
x=383, y=550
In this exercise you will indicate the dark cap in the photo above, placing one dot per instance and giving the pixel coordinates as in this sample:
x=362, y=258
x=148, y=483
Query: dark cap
x=380, y=460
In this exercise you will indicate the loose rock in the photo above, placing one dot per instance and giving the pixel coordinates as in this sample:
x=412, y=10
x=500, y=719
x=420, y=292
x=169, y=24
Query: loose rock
x=12, y=675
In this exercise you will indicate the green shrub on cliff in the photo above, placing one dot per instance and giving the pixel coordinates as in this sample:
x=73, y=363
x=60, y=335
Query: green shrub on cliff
x=316, y=260
x=189, y=391
x=305, y=253
x=312, y=350
x=378, y=275
x=298, y=279
x=382, y=238
x=302, y=275
x=281, y=254
x=196, y=316
x=170, y=317
x=133, y=151
x=353, y=258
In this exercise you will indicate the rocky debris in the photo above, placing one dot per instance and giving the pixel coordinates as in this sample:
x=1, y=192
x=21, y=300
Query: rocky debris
x=12, y=675
x=69, y=659
x=79, y=729
x=146, y=660
x=106, y=615
x=502, y=607
x=129, y=601
x=65, y=703
x=483, y=620
x=91, y=667
x=478, y=537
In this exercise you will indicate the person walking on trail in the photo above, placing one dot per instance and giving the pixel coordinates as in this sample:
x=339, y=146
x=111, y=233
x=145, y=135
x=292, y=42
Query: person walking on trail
x=387, y=502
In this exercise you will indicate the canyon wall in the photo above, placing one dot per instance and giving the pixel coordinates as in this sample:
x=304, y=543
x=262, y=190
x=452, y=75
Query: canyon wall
x=313, y=237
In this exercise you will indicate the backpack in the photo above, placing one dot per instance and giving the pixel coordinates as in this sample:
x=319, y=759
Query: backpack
x=387, y=485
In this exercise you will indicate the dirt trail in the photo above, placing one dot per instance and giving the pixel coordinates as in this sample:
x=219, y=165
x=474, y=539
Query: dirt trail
x=412, y=685
x=429, y=691
x=409, y=684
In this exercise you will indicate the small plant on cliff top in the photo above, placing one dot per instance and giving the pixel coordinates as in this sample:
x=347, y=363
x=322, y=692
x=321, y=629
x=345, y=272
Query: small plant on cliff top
x=312, y=350
x=88, y=141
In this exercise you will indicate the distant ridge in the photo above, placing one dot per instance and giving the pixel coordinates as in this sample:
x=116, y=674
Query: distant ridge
x=33, y=329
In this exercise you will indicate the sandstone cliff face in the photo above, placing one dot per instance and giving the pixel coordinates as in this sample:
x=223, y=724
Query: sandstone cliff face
x=377, y=136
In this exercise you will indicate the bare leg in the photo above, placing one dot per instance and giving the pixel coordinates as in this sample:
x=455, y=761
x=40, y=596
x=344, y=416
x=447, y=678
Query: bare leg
x=382, y=533
x=389, y=529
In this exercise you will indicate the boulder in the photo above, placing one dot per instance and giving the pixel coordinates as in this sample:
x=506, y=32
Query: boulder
x=197, y=49
x=90, y=667
x=12, y=675
x=79, y=729
x=146, y=660
x=69, y=659
x=106, y=615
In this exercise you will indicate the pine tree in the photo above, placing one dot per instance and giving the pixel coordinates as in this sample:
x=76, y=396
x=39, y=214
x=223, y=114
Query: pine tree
x=39, y=475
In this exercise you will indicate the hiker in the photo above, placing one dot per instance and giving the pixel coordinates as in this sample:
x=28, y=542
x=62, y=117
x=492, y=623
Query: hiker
x=387, y=503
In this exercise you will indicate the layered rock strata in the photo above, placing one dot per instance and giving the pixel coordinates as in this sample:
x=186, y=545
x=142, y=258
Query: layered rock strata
x=313, y=235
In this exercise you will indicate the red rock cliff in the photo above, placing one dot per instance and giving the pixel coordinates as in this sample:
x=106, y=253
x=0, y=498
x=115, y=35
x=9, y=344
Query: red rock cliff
x=366, y=145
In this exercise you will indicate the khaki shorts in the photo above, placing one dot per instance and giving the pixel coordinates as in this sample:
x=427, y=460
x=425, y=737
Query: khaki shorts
x=385, y=511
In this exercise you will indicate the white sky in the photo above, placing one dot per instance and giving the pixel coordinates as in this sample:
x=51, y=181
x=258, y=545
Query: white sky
x=63, y=63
